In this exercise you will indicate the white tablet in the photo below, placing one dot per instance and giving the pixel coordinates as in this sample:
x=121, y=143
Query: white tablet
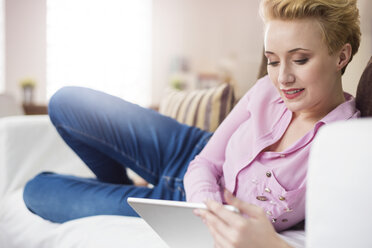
x=175, y=222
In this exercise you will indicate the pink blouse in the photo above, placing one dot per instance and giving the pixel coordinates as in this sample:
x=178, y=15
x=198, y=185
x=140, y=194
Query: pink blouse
x=234, y=158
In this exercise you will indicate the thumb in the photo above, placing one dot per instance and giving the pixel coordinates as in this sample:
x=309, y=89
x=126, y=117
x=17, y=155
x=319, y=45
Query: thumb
x=250, y=210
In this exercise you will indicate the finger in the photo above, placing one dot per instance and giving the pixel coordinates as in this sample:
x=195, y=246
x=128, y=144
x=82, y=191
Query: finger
x=220, y=240
x=229, y=217
x=217, y=245
x=214, y=220
x=200, y=212
x=226, y=228
x=250, y=210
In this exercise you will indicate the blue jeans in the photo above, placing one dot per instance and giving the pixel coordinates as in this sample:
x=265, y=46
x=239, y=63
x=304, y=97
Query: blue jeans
x=110, y=135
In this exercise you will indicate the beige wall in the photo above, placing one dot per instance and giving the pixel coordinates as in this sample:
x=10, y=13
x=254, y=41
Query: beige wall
x=25, y=45
x=208, y=30
x=2, y=47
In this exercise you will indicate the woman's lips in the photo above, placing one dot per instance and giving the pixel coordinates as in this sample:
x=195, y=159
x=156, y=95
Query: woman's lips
x=292, y=93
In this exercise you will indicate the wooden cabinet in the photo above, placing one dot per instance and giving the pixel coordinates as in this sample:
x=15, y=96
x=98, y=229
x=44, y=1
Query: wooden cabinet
x=34, y=109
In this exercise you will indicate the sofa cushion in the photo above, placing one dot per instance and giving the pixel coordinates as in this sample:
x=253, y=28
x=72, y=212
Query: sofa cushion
x=204, y=108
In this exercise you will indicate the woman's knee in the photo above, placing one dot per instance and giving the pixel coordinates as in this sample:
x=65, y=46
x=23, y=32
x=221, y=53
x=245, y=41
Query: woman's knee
x=68, y=102
x=32, y=191
x=61, y=97
x=60, y=101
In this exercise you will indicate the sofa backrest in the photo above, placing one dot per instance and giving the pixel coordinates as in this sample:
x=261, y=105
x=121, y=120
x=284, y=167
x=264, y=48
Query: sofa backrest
x=364, y=91
x=9, y=106
x=339, y=188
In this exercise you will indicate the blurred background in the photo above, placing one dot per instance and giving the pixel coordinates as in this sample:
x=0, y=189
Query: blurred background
x=135, y=49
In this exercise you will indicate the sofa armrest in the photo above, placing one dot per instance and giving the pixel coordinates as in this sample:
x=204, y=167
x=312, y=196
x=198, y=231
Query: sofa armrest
x=29, y=145
x=339, y=186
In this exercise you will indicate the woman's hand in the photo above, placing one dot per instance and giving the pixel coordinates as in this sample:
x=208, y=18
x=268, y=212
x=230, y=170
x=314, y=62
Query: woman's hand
x=230, y=229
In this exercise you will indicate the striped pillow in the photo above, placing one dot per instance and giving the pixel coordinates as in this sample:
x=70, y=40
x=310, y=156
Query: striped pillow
x=205, y=109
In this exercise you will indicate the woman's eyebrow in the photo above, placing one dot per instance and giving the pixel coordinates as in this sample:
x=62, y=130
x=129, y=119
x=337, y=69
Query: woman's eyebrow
x=290, y=51
x=297, y=49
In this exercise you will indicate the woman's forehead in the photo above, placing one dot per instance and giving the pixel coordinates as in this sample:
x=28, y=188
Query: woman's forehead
x=283, y=36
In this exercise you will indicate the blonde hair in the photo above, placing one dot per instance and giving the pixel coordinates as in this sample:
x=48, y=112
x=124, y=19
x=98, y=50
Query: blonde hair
x=338, y=19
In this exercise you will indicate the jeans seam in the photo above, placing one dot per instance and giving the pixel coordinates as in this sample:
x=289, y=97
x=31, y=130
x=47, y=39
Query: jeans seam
x=103, y=142
x=202, y=142
x=173, y=178
x=174, y=189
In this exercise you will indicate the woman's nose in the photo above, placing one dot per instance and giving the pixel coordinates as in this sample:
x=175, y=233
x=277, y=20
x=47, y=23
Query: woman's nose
x=285, y=76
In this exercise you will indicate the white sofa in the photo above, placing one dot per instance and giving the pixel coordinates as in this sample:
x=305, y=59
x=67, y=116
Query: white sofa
x=339, y=186
x=337, y=209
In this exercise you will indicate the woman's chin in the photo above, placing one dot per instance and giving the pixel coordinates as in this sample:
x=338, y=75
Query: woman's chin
x=294, y=107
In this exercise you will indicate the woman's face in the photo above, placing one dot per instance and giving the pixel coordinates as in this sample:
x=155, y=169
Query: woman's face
x=306, y=76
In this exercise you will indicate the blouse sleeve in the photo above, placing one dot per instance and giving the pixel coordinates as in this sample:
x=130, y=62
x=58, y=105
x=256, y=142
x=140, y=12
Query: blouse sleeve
x=202, y=179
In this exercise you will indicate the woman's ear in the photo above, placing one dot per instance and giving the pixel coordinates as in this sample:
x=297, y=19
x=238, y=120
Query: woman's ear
x=344, y=56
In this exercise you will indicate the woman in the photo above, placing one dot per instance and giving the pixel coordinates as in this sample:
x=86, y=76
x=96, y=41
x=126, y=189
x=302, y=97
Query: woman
x=259, y=153
x=308, y=45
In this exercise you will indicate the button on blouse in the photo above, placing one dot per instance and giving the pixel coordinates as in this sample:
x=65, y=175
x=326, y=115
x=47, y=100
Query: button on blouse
x=234, y=157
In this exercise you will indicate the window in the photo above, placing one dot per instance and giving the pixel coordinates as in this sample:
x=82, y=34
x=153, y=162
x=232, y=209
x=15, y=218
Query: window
x=101, y=44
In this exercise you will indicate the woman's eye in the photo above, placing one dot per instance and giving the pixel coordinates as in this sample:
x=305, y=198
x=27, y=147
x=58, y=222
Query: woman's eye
x=273, y=63
x=301, y=61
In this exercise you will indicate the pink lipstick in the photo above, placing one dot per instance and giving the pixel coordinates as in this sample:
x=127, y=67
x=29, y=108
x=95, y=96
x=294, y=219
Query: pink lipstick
x=292, y=93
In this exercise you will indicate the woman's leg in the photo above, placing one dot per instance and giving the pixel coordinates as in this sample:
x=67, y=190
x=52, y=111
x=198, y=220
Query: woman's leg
x=60, y=198
x=110, y=134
